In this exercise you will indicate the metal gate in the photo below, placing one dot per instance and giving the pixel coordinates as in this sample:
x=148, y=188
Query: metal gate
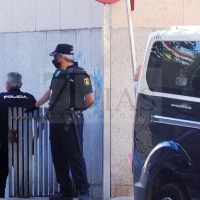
x=31, y=172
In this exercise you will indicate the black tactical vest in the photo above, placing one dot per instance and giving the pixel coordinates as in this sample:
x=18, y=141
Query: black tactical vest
x=60, y=88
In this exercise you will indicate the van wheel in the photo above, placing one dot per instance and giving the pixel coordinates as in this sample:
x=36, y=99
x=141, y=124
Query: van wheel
x=172, y=192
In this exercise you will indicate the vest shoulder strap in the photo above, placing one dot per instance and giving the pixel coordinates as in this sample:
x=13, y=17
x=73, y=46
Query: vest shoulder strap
x=79, y=70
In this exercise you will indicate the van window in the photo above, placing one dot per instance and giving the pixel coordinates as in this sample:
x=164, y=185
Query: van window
x=174, y=68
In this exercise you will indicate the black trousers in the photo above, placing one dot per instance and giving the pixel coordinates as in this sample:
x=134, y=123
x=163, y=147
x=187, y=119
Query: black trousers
x=66, y=157
x=3, y=165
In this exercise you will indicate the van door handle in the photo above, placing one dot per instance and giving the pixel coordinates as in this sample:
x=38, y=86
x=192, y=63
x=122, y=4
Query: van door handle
x=175, y=121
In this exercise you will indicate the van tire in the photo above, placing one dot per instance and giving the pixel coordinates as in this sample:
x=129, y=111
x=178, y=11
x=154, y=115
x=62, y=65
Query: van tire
x=172, y=192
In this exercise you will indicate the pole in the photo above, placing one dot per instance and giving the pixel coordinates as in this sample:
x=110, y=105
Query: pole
x=131, y=36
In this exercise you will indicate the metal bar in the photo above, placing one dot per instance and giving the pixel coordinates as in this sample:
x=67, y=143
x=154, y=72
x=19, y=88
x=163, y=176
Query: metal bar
x=35, y=160
x=15, y=156
x=40, y=138
x=25, y=158
x=34, y=117
x=30, y=151
x=10, y=150
x=45, y=137
x=51, y=175
x=51, y=188
x=107, y=101
x=20, y=155
x=131, y=37
x=54, y=182
x=175, y=121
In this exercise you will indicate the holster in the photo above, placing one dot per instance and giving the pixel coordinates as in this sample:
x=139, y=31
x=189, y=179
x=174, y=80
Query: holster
x=69, y=119
x=78, y=115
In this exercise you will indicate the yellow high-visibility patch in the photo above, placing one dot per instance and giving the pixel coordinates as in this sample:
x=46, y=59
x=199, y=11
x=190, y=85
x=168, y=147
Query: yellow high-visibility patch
x=86, y=81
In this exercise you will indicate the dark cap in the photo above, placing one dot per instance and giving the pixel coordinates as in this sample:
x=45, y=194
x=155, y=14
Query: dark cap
x=63, y=49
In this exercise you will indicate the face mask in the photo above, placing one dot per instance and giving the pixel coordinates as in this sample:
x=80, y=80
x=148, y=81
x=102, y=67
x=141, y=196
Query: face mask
x=56, y=63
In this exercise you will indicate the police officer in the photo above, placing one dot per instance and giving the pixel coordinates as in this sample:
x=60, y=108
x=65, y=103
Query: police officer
x=70, y=88
x=12, y=98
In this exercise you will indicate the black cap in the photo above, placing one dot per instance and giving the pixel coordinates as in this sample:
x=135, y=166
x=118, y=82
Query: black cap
x=63, y=49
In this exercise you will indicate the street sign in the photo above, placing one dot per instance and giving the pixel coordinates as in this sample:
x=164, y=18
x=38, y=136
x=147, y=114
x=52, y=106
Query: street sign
x=132, y=5
x=107, y=1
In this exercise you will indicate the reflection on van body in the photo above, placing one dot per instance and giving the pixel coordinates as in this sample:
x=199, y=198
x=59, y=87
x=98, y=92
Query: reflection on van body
x=167, y=125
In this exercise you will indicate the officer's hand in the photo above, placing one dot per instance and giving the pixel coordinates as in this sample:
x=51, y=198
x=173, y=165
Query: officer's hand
x=30, y=108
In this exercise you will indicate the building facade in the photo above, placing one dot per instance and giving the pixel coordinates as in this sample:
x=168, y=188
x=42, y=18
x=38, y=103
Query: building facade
x=30, y=29
x=150, y=16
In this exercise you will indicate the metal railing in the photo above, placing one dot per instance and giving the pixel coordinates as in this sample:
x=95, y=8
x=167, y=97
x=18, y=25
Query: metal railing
x=31, y=172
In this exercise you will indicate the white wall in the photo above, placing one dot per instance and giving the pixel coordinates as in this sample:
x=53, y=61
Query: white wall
x=37, y=15
x=28, y=53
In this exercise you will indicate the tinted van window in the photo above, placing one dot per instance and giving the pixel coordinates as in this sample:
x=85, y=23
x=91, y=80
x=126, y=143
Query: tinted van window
x=174, y=68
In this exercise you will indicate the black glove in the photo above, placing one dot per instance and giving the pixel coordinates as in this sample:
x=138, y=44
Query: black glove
x=30, y=108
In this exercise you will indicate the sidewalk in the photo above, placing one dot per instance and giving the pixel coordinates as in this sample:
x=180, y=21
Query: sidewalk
x=123, y=198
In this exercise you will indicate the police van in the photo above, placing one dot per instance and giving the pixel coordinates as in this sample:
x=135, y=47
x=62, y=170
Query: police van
x=166, y=151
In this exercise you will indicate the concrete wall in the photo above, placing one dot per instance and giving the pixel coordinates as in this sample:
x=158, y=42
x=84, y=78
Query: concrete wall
x=37, y=15
x=28, y=52
x=122, y=101
x=122, y=113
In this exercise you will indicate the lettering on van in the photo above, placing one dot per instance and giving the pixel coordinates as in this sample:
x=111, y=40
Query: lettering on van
x=143, y=139
x=182, y=106
x=15, y=97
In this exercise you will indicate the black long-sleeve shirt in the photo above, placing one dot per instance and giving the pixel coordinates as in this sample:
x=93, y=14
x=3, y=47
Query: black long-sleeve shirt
x=13, y=98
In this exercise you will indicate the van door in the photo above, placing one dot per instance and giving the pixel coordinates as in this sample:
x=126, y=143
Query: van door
x=168, y=110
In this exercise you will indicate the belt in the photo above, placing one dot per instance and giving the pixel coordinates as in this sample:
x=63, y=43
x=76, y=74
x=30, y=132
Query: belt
x=62, y=116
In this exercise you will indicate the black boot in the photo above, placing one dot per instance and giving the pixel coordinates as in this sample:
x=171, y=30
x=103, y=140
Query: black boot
x=61, y=196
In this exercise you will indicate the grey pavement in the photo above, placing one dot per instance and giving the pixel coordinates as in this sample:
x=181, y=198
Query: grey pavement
x=123, y=198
